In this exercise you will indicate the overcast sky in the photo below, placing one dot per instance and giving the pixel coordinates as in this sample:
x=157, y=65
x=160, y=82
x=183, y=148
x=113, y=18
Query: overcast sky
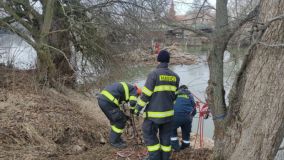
x=182, y=6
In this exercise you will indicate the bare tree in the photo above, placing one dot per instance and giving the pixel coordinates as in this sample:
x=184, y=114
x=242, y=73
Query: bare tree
x=58, y=30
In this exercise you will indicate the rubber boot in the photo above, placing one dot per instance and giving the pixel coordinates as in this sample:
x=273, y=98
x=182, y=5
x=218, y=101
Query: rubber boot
x=184, y=145
x=153, y=156
x=175, y=145
x=116, y=141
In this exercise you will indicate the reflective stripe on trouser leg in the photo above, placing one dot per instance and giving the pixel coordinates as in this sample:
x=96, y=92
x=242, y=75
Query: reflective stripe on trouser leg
x=116, y=129
x=186, y=142
x=151, y=140
x=165, y=139
x=153, y=148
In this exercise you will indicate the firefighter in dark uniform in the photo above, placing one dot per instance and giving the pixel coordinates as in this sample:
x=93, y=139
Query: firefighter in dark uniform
x=158, y=96
x=109, y=100
x=184, y=111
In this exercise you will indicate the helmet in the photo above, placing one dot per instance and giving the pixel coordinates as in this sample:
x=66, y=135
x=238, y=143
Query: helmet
x=138, y=89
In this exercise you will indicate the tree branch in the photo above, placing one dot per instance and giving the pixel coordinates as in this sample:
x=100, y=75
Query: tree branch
x=19, y=33
x=271, y=45
x=199, y=10
x=13, y=13
x=267, y=24
x=32, y=11
x=249, y=17
x=8, y=19
x=185, y=27
x=58, y=50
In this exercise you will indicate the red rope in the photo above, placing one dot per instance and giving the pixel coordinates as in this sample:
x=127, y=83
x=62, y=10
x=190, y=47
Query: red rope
x=203, y=110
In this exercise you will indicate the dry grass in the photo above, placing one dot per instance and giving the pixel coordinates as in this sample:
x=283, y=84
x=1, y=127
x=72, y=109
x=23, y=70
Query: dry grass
x=39, y=122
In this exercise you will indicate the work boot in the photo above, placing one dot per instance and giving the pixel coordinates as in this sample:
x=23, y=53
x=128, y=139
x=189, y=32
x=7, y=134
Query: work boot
x=184, y=145
x=119, y=145
x=175, y=145
x=116, y=141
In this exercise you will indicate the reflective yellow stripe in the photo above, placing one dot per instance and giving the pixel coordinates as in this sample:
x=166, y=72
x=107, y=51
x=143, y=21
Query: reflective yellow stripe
x=141, y=103
x=183, y=96
x=132, y=98
x=159, y=114
x=166, y=148
x=146, y=91
x=110, y=97
x=132, y=107
x=126, y=90
x=153, y=148
x=116, y=130
x=165, y=88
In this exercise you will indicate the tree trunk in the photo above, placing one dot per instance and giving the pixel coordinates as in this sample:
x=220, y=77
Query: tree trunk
x=61, y=40
x=45, y=65
x=215, y=89
x=54, y=51
x=255, y=128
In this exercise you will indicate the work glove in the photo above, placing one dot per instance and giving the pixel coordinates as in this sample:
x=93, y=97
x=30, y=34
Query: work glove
x=137, y=110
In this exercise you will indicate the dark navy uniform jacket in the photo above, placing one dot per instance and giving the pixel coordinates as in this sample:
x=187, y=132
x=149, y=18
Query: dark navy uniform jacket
x=158, y=94
x=119, y=92
x=185, y=104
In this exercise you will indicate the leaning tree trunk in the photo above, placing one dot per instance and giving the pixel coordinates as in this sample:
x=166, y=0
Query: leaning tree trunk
x=254, y=129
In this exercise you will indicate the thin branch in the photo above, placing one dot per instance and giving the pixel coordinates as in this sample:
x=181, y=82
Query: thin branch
x=280, y=17
x=271, y=45
x=33, y=12
x=185, y=27
x=60, y=30
x=58, y=50
x=199, y=10
x=281, y=148
x=249, y=17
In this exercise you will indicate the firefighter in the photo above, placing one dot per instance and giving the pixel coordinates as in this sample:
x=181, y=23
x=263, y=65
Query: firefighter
x=157, y=98
x=110, y=100
x=184, y=111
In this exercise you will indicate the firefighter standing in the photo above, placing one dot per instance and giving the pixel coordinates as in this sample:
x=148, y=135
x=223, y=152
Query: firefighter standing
x=157, y=99
x=184, y=111
x=109, y=101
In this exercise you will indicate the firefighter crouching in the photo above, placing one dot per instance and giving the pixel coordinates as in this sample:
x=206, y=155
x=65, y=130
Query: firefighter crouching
x=158, y=96
x=109, y=100
x=184, y=111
